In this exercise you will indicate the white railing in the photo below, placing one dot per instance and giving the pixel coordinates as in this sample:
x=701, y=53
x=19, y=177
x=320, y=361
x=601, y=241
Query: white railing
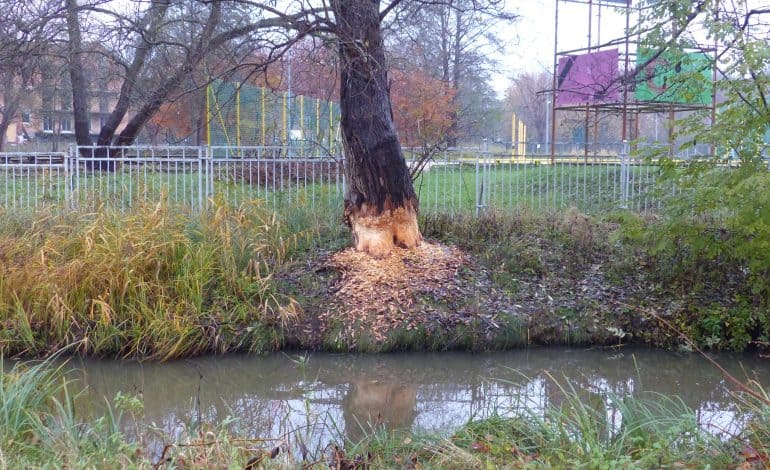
x=463, y=180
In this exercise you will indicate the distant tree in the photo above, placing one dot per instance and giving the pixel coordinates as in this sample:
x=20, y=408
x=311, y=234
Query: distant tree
x=27, y=30
x=524, y=98
x=454, y=41
x=158, y=47
x=422, y=107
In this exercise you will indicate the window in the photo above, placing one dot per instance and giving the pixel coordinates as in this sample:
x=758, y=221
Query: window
x=66, y=124
x=47, y=123
x=25, y=117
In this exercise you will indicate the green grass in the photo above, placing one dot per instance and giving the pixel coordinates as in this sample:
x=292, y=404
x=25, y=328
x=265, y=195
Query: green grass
x=572, y=431
x=451, y=189
x=39, y=428
x=443, y=188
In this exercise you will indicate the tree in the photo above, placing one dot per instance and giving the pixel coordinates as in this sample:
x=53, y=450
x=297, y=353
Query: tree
x=380, y=204
x=423, y=107
x=26, y=32
x=454, y=41
x=523, y=99
x=158, y=49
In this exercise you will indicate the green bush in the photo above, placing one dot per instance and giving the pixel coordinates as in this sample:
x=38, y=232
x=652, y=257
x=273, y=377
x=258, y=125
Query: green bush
x=713, y=244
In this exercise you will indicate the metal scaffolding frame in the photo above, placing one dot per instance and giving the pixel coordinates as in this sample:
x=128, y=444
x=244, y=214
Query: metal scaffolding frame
x=628, y=108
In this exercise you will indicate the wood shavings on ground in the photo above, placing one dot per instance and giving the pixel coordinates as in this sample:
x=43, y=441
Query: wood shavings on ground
x=432, y=286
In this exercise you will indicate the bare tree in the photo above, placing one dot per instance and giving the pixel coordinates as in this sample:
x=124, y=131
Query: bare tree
x=26, y=31
x=167, y=42
x=523, y=99
x=455, y=41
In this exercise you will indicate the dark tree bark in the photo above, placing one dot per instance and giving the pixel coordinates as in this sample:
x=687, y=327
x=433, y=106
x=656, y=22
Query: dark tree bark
x=153, y=18
x=77, y=78
x=10, y=106
x=380, y=204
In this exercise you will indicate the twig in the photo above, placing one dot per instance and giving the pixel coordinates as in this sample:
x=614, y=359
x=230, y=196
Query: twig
x=742, y=386
x=162, y=458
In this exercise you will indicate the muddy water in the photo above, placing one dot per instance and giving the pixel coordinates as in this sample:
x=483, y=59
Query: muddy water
x=320, y=397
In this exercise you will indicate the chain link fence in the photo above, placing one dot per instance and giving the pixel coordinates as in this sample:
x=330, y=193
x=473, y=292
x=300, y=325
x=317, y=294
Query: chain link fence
x=240, y=115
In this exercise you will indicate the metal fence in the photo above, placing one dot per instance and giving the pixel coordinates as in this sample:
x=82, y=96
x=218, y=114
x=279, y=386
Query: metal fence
x=469, y=180
x=477, y=180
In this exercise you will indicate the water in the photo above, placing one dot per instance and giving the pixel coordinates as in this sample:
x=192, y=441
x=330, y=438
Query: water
x=321, y=397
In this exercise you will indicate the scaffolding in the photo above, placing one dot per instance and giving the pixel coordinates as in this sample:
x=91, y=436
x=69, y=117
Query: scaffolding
x=622, y=93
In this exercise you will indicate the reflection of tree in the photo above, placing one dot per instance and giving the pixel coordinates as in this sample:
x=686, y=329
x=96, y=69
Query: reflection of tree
x=369, y=404
x=427, y=391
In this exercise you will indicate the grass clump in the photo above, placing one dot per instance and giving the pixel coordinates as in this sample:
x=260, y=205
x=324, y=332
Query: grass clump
x=573, y=430
x=151, y=282
x=38, y=428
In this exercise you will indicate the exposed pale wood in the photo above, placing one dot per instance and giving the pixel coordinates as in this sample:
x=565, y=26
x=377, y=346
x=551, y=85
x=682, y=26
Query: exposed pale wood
x=380, y=204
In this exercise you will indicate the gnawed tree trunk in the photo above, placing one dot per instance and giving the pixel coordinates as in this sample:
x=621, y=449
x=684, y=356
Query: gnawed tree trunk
x=380, y=204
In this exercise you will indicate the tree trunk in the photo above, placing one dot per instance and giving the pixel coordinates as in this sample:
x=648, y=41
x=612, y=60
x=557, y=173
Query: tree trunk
x=4, y=125
x=380, y=203
x=153, y=17
x=77, y=78
x=454, y=116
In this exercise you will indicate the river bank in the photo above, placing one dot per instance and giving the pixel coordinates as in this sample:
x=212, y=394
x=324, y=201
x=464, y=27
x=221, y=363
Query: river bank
x=155, y=283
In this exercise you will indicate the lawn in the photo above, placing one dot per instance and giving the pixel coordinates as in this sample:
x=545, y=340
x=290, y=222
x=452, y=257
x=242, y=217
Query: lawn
x=448, y=187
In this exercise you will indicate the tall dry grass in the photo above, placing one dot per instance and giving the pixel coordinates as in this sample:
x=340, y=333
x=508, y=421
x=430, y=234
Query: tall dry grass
x=152, y=282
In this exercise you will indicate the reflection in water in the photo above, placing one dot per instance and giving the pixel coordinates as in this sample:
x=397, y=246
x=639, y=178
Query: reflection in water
x=374, y=403
x=334, y=395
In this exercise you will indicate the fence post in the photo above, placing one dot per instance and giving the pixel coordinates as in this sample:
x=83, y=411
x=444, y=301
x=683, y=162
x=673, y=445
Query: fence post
x=208, y=156
x=74, y=169
x=477, y=202
x=624, y=179
x=481, y=179
x=67, y=179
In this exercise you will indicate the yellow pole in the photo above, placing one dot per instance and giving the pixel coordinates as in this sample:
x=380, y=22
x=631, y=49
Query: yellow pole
x=262, y=95
x=523, y=138
x=513, y=134
x=238, y=115
x=285, y=118
x=302, y=123
x=208, y=114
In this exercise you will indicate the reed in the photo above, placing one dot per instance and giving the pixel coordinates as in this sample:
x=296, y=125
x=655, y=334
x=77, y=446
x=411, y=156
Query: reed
x=151, y=282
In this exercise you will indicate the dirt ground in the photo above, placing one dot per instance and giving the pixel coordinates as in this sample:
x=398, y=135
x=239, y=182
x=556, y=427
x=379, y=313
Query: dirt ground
x=440, y=297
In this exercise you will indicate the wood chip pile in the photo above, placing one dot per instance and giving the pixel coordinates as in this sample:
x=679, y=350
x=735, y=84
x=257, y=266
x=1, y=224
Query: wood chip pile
x=433, y=285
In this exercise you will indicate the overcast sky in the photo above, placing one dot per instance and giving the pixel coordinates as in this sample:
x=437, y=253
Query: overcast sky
x=529, y=42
